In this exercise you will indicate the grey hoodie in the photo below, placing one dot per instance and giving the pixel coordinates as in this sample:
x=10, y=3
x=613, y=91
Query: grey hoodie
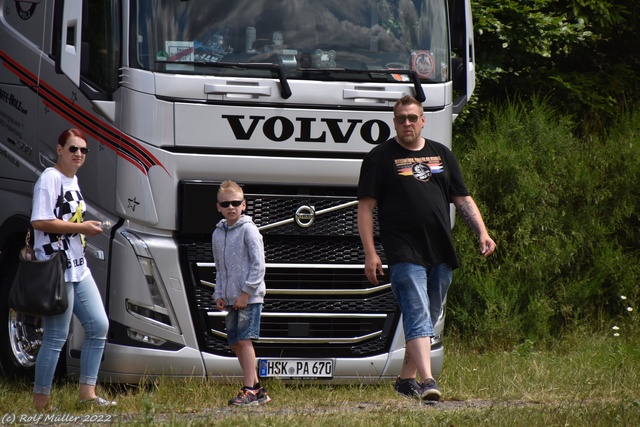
x=238, y=252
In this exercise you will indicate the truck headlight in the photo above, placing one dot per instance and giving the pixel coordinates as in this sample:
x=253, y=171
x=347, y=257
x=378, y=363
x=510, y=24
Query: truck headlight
x=161, y=311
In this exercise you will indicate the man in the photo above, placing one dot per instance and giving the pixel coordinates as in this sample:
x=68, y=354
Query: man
x=412, y=181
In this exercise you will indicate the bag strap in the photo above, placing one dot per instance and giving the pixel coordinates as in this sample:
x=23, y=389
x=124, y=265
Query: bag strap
x=60, y=201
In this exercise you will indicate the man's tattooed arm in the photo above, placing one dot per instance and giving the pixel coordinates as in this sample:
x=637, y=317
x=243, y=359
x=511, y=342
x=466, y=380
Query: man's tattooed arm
x=470, y=215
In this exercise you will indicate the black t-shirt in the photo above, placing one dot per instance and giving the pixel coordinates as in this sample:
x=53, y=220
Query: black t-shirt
x=413, y=190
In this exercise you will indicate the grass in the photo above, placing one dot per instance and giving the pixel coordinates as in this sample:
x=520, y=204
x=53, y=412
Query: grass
x=563, y=211
x=583, y=379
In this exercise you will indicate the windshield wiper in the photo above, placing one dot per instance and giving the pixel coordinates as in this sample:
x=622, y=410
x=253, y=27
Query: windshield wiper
x=285, y=89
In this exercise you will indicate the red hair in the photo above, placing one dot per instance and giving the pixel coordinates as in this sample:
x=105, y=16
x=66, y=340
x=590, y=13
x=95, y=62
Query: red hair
x=62, y=139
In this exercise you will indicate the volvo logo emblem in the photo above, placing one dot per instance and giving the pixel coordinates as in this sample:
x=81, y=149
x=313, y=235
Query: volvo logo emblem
x=305, y=216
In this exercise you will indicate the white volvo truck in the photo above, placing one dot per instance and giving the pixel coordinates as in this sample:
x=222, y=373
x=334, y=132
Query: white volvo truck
x=284, y=97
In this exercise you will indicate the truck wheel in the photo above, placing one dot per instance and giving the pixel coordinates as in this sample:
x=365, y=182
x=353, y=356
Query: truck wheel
x=20, y=334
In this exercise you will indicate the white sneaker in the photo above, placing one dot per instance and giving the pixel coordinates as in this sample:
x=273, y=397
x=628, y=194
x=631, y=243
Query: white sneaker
x=99, y=401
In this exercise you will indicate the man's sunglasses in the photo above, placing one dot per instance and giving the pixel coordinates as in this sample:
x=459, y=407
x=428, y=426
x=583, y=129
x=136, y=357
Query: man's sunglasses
x=74, y=148
x=234, y=203
x=413, y=118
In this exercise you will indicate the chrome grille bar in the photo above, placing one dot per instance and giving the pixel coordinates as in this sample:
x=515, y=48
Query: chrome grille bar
x=320, y=212
x=274, y=340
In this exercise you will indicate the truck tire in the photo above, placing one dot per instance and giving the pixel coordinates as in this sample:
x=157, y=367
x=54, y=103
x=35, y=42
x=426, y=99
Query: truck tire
x=20, y=334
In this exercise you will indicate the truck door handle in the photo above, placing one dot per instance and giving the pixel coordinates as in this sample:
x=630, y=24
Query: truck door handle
x=95, y=251
x=372, y=94
x=238, y=89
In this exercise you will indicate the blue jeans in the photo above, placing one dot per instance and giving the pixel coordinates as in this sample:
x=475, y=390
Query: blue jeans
x=85, y=302
x=420, y=292
x=243, y=324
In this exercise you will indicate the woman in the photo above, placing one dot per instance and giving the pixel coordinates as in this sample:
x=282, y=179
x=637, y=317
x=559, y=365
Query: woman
x=84, y=298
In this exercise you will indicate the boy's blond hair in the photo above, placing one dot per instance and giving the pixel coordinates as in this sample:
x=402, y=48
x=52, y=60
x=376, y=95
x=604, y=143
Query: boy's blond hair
x=230, y=187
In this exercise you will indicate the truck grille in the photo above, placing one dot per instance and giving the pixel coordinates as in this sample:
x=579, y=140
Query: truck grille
x=318, y=302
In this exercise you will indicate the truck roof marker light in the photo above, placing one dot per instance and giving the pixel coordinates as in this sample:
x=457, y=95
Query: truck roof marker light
x=162, y=311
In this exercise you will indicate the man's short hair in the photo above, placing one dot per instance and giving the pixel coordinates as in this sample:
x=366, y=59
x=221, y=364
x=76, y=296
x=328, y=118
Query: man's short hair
x=407, y=100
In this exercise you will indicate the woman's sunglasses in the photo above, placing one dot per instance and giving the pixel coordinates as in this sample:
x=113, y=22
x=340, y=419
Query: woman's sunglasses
x=74, y=148
x=234, y=203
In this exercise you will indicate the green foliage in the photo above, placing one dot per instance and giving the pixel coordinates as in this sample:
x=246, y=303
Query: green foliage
x=563, y=212
x=580, y=53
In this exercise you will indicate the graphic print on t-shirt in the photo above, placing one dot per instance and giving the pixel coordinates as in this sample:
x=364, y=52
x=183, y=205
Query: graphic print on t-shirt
x=71, y=212
x=421, y=168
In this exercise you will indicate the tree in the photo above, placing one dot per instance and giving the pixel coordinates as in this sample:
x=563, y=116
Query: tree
x=579, y=53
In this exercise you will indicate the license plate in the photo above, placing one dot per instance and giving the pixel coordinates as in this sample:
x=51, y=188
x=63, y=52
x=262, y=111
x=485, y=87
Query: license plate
x=295, y=368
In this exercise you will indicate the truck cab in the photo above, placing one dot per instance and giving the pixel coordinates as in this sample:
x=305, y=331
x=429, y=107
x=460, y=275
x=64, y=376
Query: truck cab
x=282, y=96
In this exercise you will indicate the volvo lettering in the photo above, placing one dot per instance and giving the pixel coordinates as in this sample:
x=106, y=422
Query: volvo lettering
x=278, y=129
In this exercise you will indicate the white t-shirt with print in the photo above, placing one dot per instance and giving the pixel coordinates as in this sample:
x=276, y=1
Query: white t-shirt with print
x=45, y=200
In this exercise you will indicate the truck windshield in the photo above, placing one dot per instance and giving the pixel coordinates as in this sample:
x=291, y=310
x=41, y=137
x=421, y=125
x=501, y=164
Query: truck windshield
x=318, y=39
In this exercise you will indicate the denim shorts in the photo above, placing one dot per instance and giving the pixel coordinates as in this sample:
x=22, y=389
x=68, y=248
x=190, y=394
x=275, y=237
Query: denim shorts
x=420, y=292
x=243, y=324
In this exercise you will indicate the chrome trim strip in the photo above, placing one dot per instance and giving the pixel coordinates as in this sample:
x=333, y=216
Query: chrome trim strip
x=271, y=291
x=312, y=315
x=366, y=291
x=208, y=284
x=292, y=340
x=293, y=265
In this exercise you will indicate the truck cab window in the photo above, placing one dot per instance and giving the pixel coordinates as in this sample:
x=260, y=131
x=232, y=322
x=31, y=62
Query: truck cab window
x=309, y=38
x=100, y=49
x=101, y=43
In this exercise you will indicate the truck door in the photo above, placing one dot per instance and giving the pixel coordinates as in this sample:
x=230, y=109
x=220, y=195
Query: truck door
x=22, y=34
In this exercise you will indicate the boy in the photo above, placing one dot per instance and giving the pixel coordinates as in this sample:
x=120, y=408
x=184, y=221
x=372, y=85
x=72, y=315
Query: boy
x=238, y=252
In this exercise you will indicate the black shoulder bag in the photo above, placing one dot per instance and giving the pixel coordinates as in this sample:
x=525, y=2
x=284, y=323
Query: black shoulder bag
x=39, y=288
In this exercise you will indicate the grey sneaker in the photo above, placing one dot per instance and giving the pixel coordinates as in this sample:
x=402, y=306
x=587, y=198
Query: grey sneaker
x=246, y=397
x=429, y=390
x=408, y=387
x=262, y=396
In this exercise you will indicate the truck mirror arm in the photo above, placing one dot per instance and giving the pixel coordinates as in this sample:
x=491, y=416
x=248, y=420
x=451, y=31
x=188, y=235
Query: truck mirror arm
x=285, y=89
x=420, y=96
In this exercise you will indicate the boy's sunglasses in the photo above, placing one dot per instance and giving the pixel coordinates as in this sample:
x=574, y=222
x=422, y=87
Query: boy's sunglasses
x=74, y=148
x=234, y=203
x=413, y=118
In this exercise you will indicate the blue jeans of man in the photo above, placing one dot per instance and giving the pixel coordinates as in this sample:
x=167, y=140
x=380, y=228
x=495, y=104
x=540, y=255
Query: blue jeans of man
x=420, y=291
x=85, y=302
